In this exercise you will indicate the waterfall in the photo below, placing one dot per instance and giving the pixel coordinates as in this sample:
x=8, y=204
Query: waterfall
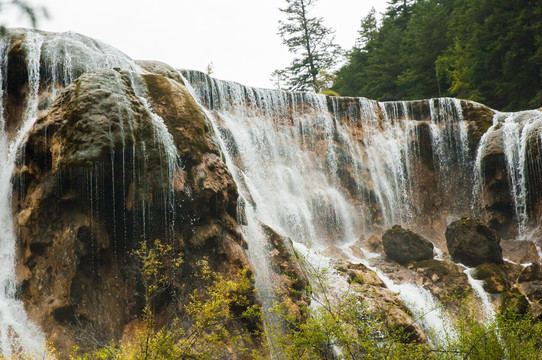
x=321, y=171
x=54, y=60
x=302, y=169
x=392, y=165
x=478, y=287
x=324, y=171
x=517, y=129
x=518, y=136
x=17, y=334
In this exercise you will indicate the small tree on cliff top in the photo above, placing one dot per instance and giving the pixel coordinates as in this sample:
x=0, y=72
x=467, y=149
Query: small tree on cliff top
x=311, y=42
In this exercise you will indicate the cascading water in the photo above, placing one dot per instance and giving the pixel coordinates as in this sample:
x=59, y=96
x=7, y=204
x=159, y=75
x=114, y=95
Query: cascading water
x=17, y=334
x=477, y=286
x=302, y=170
x=54, y=59
x=520, y=139
x=319, y=170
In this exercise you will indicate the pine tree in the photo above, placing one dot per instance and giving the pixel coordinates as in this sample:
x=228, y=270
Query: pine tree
x=311, y=42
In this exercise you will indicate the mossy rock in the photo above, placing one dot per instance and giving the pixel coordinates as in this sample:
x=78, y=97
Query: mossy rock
x=513, y=301
x=444, y=279
x=472, y=243
x=286, y=263
x=160, y=68
x=481, y=118
x=493, y=278
x=181, y=115
x=405, y=246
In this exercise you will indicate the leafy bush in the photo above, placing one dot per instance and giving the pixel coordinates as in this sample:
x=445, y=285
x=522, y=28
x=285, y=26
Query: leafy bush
x=208, y=329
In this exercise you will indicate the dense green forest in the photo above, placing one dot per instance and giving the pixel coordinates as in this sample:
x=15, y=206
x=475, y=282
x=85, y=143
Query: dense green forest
x=485, y=50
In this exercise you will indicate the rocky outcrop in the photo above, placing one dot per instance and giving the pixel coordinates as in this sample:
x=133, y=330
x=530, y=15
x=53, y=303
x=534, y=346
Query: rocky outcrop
x=405, y=246
x=530, y=284
x=444, y=279
x=497, y=278
x=290, y=283
x=472, y=243
x=118, y=159
x=520, y=251
x=380, y=300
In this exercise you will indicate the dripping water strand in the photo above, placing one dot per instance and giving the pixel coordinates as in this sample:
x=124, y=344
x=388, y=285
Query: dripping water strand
x=17, y=334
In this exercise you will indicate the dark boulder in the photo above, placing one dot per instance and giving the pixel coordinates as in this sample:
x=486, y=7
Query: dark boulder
x=472, y=243
x=405, y=246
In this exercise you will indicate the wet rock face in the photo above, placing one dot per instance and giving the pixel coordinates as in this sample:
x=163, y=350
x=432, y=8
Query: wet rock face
x=381, y=300
x=530, y=283
x=472, y=243
x=289, y=279
x=444, y=279
x=95, y=180
x=520, y=251
x=405, y=246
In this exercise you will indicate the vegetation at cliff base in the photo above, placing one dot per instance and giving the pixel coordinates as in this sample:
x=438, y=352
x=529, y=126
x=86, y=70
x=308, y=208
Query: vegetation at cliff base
x=488, y=51
x=333, y=327
x=204, y=329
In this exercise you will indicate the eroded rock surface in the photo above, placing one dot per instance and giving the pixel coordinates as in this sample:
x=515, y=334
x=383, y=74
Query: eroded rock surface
x=472, y=243
x=100, y=175
x=405, y=246
x=373, y=292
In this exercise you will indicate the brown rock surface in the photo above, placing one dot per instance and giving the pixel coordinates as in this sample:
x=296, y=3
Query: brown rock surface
x=520, y=251
x=444, y=279
x=472, y=243
x=93, y=185
x=380, y=299
x=405, y=246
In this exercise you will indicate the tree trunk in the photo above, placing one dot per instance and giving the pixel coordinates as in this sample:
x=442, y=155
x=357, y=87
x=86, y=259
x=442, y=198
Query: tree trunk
x=312, y=67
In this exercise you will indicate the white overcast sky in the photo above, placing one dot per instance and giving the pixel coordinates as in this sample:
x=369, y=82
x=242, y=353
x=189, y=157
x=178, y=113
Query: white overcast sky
x=238, y=36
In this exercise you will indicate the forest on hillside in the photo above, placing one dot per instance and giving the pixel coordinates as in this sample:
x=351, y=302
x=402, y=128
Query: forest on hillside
x=488, y=51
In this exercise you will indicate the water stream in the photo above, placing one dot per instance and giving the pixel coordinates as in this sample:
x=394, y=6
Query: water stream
x=17, y=334
x=290, y=154
x=319, y=170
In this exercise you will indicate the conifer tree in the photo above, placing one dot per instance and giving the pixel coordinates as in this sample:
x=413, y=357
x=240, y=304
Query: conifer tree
x=311, y=42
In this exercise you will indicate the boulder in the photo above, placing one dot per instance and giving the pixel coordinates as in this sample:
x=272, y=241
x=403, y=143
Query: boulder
x=497, y=278
x=472, y=243
x=405, y=246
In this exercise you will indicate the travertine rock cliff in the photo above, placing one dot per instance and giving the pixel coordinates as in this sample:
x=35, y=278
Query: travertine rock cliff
x=115, y=152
